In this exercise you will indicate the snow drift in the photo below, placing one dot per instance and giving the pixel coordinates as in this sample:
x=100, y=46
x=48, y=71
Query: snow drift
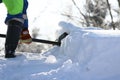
x=85, y=54
x=96, y=51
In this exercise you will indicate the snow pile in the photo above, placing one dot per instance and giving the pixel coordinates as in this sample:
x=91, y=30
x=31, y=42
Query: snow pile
x=86, y=44
x=85, y=54
x=96, y=51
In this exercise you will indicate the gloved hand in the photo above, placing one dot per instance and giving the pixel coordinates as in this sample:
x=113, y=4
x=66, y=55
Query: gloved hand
x=25, y=37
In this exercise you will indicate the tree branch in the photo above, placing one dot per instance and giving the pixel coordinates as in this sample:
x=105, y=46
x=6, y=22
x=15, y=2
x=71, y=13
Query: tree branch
x=81, y=12
x=110, y=14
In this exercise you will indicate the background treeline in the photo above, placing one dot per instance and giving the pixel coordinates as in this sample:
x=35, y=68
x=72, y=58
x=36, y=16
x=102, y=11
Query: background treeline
x=97, y=13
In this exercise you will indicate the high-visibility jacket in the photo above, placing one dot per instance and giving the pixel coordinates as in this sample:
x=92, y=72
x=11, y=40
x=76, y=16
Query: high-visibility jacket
x=16, y=9
x=14, y=6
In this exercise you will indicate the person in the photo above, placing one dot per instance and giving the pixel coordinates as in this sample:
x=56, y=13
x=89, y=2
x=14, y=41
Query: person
x=17, y=23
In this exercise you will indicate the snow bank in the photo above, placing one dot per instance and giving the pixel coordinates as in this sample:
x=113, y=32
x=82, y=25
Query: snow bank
x=96, y=51
x=85, y=54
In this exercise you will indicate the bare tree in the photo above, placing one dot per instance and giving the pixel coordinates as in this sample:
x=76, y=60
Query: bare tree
x=86, y=20
x=119, y=3
x=96, y=12
x=109, y=7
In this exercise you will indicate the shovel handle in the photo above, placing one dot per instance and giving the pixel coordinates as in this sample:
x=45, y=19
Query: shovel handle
x=39, y=40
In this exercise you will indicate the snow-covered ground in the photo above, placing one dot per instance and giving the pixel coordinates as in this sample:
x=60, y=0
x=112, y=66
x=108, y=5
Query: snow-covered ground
x=85, y=54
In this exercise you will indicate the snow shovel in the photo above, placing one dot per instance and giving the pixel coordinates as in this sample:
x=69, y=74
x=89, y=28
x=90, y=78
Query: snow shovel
x=57, y=42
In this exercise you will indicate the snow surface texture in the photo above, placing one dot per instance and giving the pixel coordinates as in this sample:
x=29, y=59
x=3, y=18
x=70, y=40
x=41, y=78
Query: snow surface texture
x=85, y=54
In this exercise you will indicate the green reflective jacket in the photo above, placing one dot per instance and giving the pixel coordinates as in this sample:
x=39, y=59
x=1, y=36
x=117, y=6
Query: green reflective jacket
x=13, y=6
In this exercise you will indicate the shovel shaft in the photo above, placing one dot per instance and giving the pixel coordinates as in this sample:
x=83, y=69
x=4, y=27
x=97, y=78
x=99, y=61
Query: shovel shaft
x=46, y=41
x=38, y=40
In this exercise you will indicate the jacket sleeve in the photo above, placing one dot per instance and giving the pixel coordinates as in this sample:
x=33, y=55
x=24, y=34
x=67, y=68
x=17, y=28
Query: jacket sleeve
x=0, y=1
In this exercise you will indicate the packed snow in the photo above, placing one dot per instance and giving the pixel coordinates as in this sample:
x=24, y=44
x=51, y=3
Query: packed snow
x=85, y=54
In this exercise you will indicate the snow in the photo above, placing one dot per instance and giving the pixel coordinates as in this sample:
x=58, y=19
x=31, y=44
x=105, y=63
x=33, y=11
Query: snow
x=85, y=54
